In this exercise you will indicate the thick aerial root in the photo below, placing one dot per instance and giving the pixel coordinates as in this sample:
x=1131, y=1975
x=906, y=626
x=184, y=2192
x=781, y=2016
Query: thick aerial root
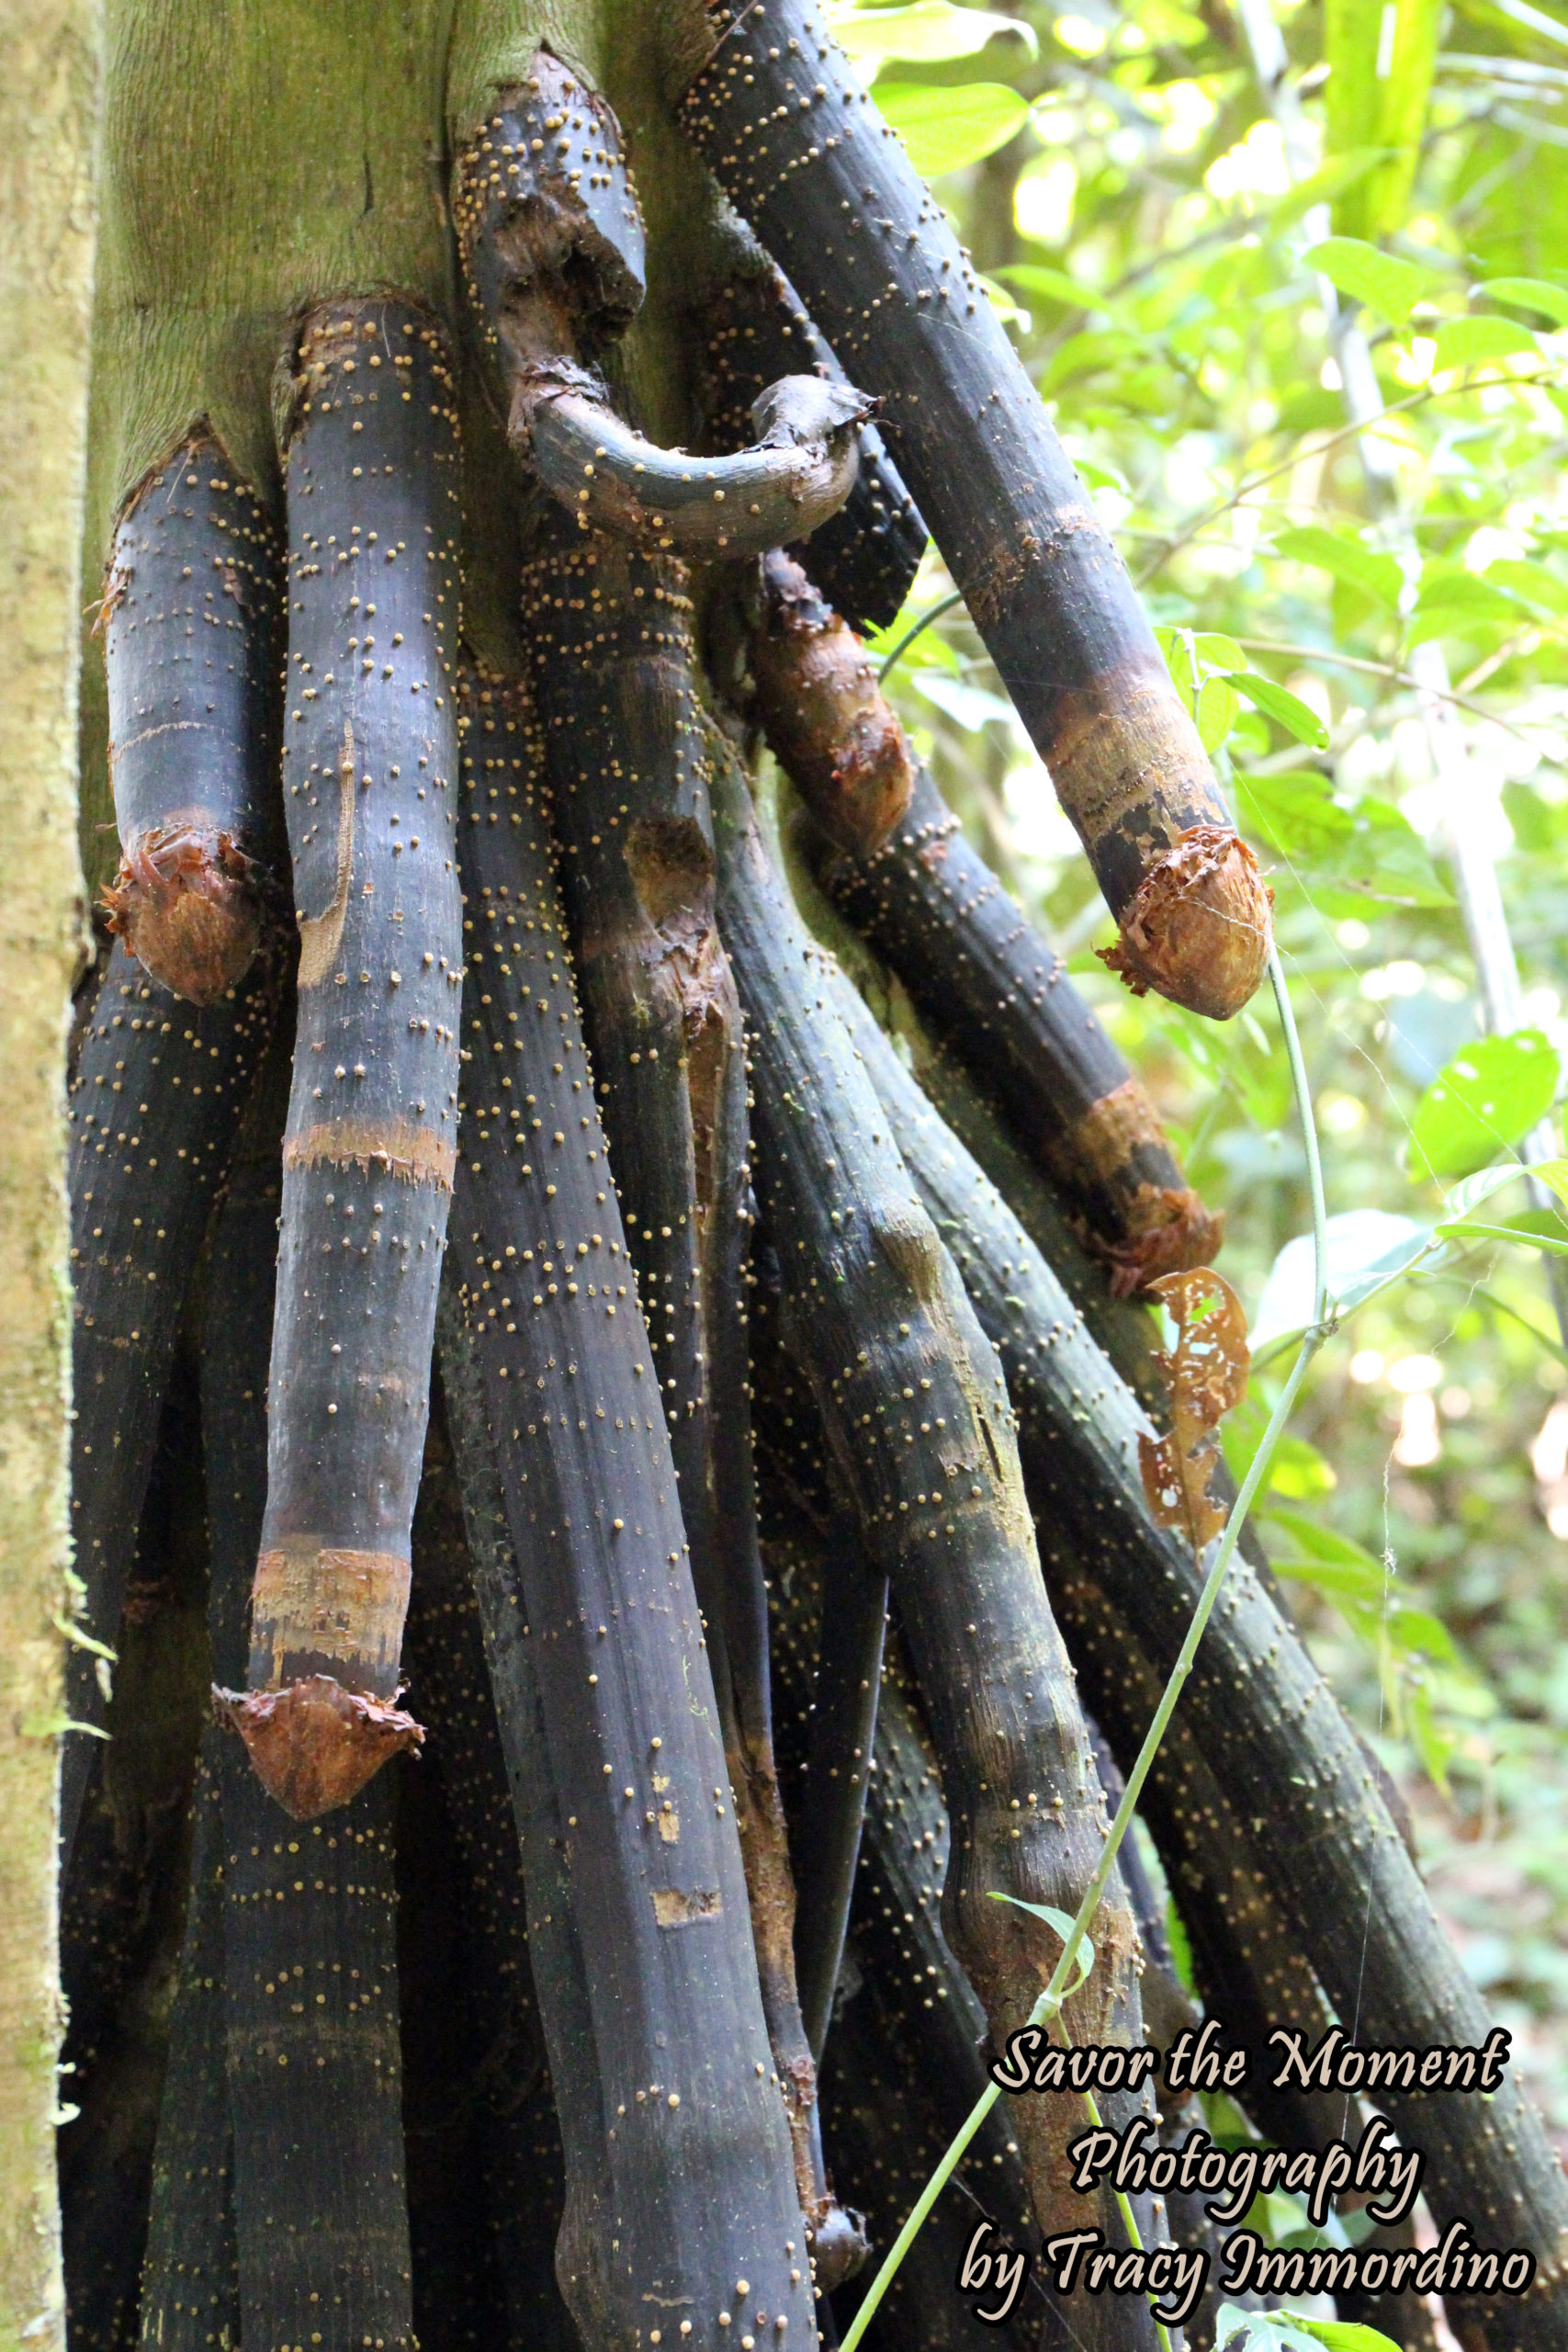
x=799, y=149
x=621, y=730
x=155, y=1103
x=754, y=329
x=1265, y=1723
x=185, y=904
x=554, y=270
x=370, y=770
x=913, y=1404
x=1199, y=928
x=693, y=2159
x=800, y=471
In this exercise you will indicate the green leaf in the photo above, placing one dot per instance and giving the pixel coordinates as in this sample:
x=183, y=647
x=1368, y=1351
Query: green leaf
x=1553, y=1173
x=1083, y=1958
x=1259, y=2331
x=1464, y=594
x=1342, y=855
x=1332, y=179
x=1367, y=1248
x=1341, y=2335
x=945, y=129
x=1483, y=1101
x=1217, y=706
x=1529, y=294
x=1287, y=710
x=1051, y=286
x=1220, y=652
x=925, y=32
x=1346, y=559
x=1531, y=581
x=1389, y=286
x=1465, y=343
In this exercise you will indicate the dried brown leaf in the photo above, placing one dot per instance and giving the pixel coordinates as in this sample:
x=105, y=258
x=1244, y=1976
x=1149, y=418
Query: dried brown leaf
x=1206, y=1373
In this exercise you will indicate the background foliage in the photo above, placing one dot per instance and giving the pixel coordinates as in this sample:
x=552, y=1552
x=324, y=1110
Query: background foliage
x=1145, y=225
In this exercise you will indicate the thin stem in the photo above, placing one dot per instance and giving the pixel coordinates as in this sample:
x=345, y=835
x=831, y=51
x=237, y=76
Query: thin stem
x=944, y=604
x=1321, y=449
x=1124, y=2202
x=1050, y=2002
x=1378, y=670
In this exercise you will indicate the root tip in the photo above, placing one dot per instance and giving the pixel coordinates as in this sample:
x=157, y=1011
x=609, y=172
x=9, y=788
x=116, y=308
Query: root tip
x=314, y=1745
x=1198, y=929
x=1174, y=1233
x=185, y=904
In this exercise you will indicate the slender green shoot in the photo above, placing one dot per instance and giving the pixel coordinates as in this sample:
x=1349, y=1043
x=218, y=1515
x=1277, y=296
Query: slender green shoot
x=1051, y=1999
x=944, y=604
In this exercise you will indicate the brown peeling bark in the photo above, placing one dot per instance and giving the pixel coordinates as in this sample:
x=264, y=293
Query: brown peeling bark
x=1197, y=927
x=823, y=714
x=798, y=147
x=190, y=620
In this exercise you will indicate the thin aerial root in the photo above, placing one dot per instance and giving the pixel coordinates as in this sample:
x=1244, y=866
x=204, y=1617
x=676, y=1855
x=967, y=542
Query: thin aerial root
x=996, y=988
x=554, y=271
x=823, y=714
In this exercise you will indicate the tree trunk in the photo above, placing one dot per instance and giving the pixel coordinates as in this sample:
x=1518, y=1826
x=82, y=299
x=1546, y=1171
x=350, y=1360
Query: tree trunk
x=47, y=126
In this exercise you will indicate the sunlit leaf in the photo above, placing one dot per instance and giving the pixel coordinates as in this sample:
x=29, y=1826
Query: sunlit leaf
x=1367, y=1248
x=1347, y=558
x=1465, y=596
x=1339, y=2335
x=1389, y=286
x=1469, y=1195
x=1465, y=343
x=1297, y=718
x=925, y=32
x=1050, y=285
x=1529, y=294
x=1531, y=581
x=1341, y=854
x=971, y=707
x=1220, y=652
x=1481, y=1102
x=945, y=129
x=1217, y=706
x=1340, y=172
